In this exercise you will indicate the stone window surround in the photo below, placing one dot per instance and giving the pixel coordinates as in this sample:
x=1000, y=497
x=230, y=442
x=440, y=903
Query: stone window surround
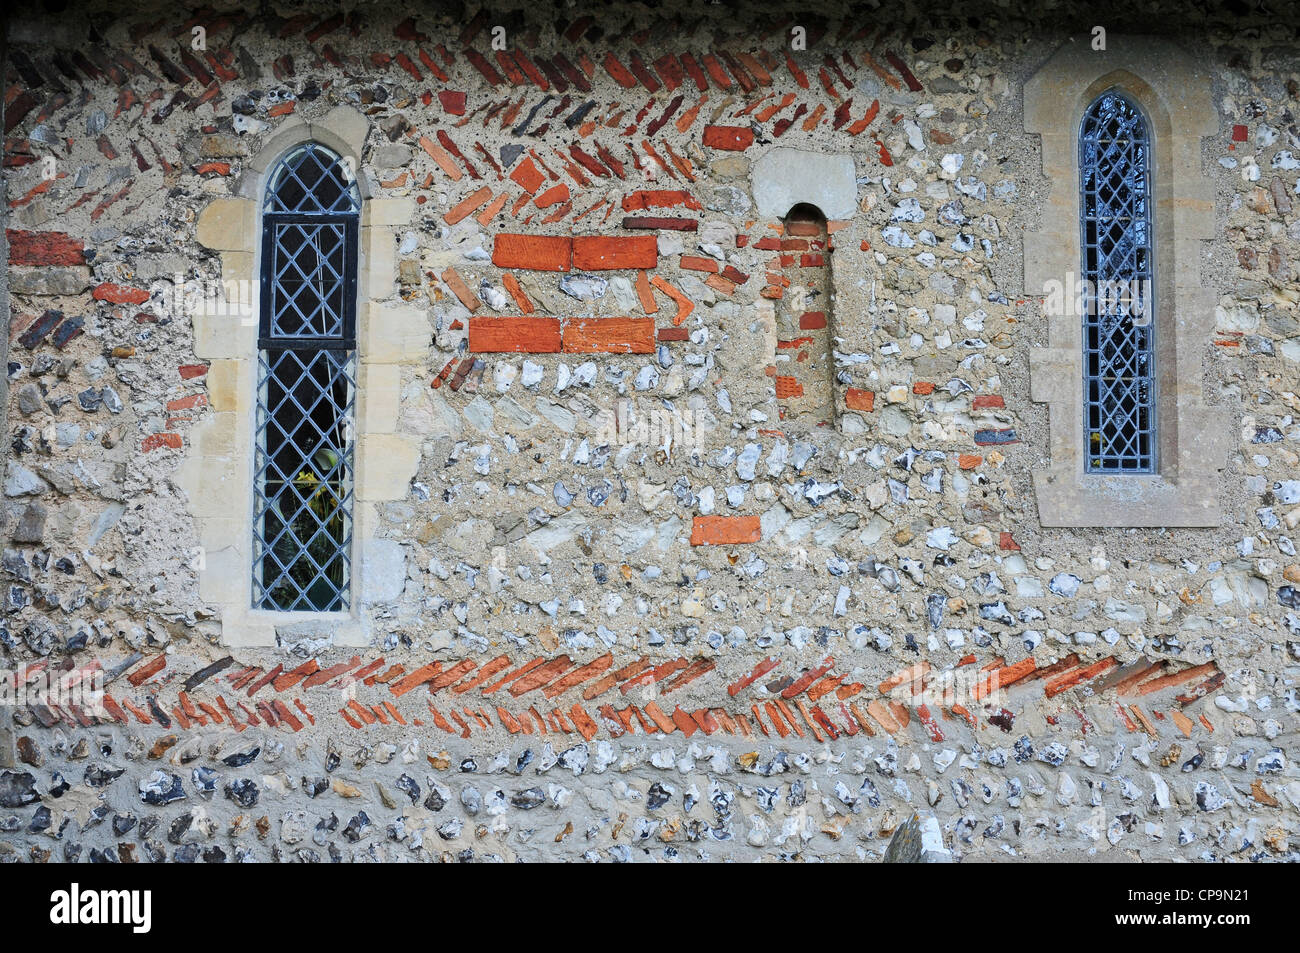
x=217, y=473
x=1193, y=438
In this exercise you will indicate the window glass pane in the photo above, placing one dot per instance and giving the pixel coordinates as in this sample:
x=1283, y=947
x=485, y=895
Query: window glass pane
x=306, y=385
x=1119, y=353
x=312, y=179
x=309, y=266
x=304, y=479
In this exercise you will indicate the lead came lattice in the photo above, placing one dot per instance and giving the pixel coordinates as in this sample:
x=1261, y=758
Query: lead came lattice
x=1119, y=353
x=306, y=395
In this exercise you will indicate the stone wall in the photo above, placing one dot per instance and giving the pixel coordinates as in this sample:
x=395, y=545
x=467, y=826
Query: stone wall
x=683, y=531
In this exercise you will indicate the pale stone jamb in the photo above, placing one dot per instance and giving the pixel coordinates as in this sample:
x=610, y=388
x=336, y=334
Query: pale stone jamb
x=782, y=178
x=217, y=473
x=1193, y=438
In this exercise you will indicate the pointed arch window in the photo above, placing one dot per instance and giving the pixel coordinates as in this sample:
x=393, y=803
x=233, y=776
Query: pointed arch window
x=306, y=393
x=1120, y=399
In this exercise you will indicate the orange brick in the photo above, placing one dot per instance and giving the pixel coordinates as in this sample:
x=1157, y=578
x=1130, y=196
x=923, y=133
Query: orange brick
x=644, y=294
x=601, y=253
x=579, y=675
x=156, y=441
x=659, y=718
x=458, y=287
x=665, y=198
x=415, y=679
x=857, y=399
x=878, y=711
x=516, y=335
x=729, y=138
x=186, y=403
x=1176, y=678
x=527, y=177
x=532, y=252
x=472, y=203
x=724, y=530
x=699, y=263
x=541, y=675
x=787, y=387
x=516, y=292
x=552, y=196
x=685, y=722
x=608, y=335
x=969, y=461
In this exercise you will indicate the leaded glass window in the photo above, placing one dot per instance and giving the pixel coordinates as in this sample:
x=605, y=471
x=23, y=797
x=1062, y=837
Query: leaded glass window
x=1118, y=329
x=306, y=396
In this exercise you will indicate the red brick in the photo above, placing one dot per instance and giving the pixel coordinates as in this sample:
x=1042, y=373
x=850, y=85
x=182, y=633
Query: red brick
x=685, y=722
x=44, y=248
x=684, y=304
x=190, y=371
x=579, y=675
x=156, y=440
x=452, y=102
x=518, y=335
x=516, y=292
x=1239, y=133
x=657, y=223
x=609, y=336
x=857, y=399
x=988, y=400
x=807, y=678
x=618, y=71
x=699, y=263
x=148, y=670
x=600, y=253
x=185, y=403
x=724, y=530
x=923, y=388
x=663, y=198
x=119, y=295
x=761, y=669
x=583, y=722
x=812, y=321
x=1007, y=541
x=533, y=252
x=541, y=675
x=729, y=138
